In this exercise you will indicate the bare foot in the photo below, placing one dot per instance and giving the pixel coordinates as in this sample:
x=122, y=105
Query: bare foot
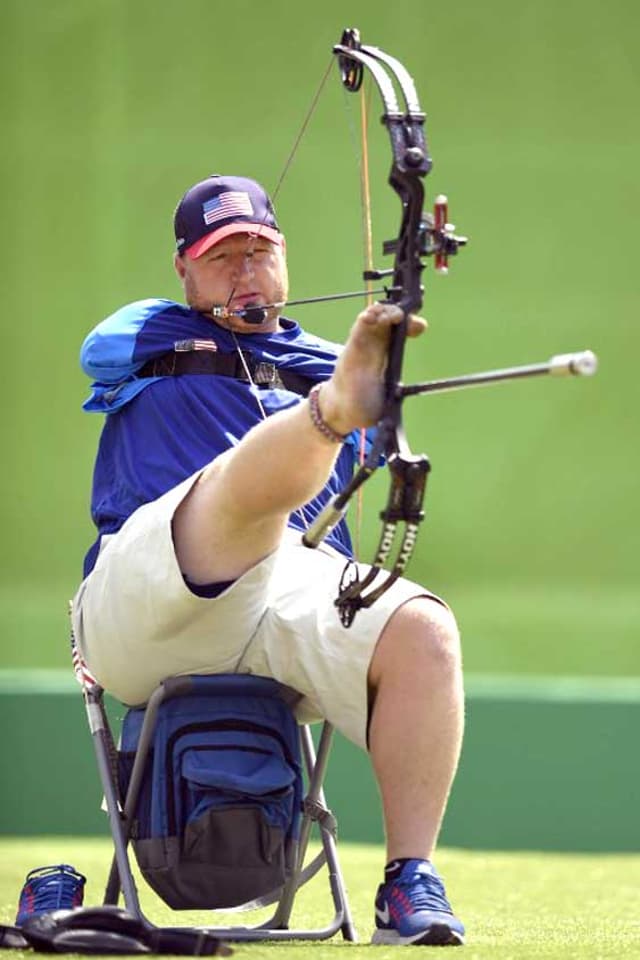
x=353, y=396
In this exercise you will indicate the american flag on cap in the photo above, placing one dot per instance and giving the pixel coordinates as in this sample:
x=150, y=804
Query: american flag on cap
x=234, y=203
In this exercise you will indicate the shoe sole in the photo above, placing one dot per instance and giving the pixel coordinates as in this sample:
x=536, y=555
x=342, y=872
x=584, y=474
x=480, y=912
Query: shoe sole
x=438, y=935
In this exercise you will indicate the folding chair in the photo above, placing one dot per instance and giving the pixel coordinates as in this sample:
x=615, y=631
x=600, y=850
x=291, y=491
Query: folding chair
x=122, y=806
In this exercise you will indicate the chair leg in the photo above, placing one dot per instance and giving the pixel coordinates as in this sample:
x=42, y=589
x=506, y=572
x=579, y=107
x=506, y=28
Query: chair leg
x=120, y=876
x=316, y=769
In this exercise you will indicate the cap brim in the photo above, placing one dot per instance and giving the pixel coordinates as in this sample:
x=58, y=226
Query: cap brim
x=252, y=229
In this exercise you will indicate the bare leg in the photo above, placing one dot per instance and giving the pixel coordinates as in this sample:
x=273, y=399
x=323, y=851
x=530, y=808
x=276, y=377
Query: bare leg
x=416, y=725
x=236, y=513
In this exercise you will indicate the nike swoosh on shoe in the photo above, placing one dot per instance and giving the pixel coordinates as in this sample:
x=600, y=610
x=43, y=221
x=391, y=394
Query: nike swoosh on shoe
x=383, y=915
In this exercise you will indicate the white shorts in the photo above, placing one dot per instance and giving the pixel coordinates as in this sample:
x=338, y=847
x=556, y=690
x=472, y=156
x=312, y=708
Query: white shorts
x=136, y=621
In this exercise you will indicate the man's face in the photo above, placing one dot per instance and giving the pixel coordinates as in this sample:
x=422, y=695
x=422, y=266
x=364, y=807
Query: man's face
x=238, y=272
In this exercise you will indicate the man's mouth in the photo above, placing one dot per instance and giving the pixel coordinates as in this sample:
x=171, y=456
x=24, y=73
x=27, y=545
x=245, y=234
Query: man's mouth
x=242, y=300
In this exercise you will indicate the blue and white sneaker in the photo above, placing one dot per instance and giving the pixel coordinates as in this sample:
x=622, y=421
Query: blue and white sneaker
x=59, y=887
x=412, y=908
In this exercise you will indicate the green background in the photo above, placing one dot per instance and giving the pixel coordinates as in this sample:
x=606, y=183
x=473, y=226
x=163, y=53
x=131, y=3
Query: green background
x=111, y=108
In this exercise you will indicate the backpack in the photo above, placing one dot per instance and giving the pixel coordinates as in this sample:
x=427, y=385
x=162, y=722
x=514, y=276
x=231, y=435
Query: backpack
x=217, y=819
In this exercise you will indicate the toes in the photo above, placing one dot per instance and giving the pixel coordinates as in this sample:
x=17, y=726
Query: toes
x=384, y=314
x=417, y=325
x=381, y=313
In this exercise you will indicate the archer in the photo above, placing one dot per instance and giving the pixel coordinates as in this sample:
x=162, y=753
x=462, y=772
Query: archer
x=223, y=440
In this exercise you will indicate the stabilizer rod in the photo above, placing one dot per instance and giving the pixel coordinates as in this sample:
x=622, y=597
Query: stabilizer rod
x=583, y=364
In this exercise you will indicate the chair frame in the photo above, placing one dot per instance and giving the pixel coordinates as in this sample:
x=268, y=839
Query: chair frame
x=120, y=812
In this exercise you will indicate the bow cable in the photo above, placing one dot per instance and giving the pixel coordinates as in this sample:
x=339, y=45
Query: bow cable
x=367, y=233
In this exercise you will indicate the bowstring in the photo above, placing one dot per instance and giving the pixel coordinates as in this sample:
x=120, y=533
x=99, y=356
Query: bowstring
x=303, y=128
x=361, y=149
x=287, y=164
x=256, y=236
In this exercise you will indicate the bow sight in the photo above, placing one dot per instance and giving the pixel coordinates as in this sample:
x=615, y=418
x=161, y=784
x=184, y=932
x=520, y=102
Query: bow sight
x=436, y=238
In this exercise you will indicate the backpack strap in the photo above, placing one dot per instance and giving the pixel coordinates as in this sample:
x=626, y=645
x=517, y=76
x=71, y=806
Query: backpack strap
x=177, y=363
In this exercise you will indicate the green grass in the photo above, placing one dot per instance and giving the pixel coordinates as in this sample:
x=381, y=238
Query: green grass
x=515, y=905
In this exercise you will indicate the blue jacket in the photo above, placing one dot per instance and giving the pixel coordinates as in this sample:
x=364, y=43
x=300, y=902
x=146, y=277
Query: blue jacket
x=160, y=430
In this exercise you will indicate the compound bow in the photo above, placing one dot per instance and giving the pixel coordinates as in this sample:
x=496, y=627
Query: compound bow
x=421, y=235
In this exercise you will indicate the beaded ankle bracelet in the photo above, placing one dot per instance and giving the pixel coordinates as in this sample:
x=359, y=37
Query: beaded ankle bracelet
x=317, y=419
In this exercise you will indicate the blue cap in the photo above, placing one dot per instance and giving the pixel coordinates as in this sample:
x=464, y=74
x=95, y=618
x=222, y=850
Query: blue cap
x=219, y=207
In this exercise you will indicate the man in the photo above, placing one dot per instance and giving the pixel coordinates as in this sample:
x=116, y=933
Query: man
x=211, y=463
